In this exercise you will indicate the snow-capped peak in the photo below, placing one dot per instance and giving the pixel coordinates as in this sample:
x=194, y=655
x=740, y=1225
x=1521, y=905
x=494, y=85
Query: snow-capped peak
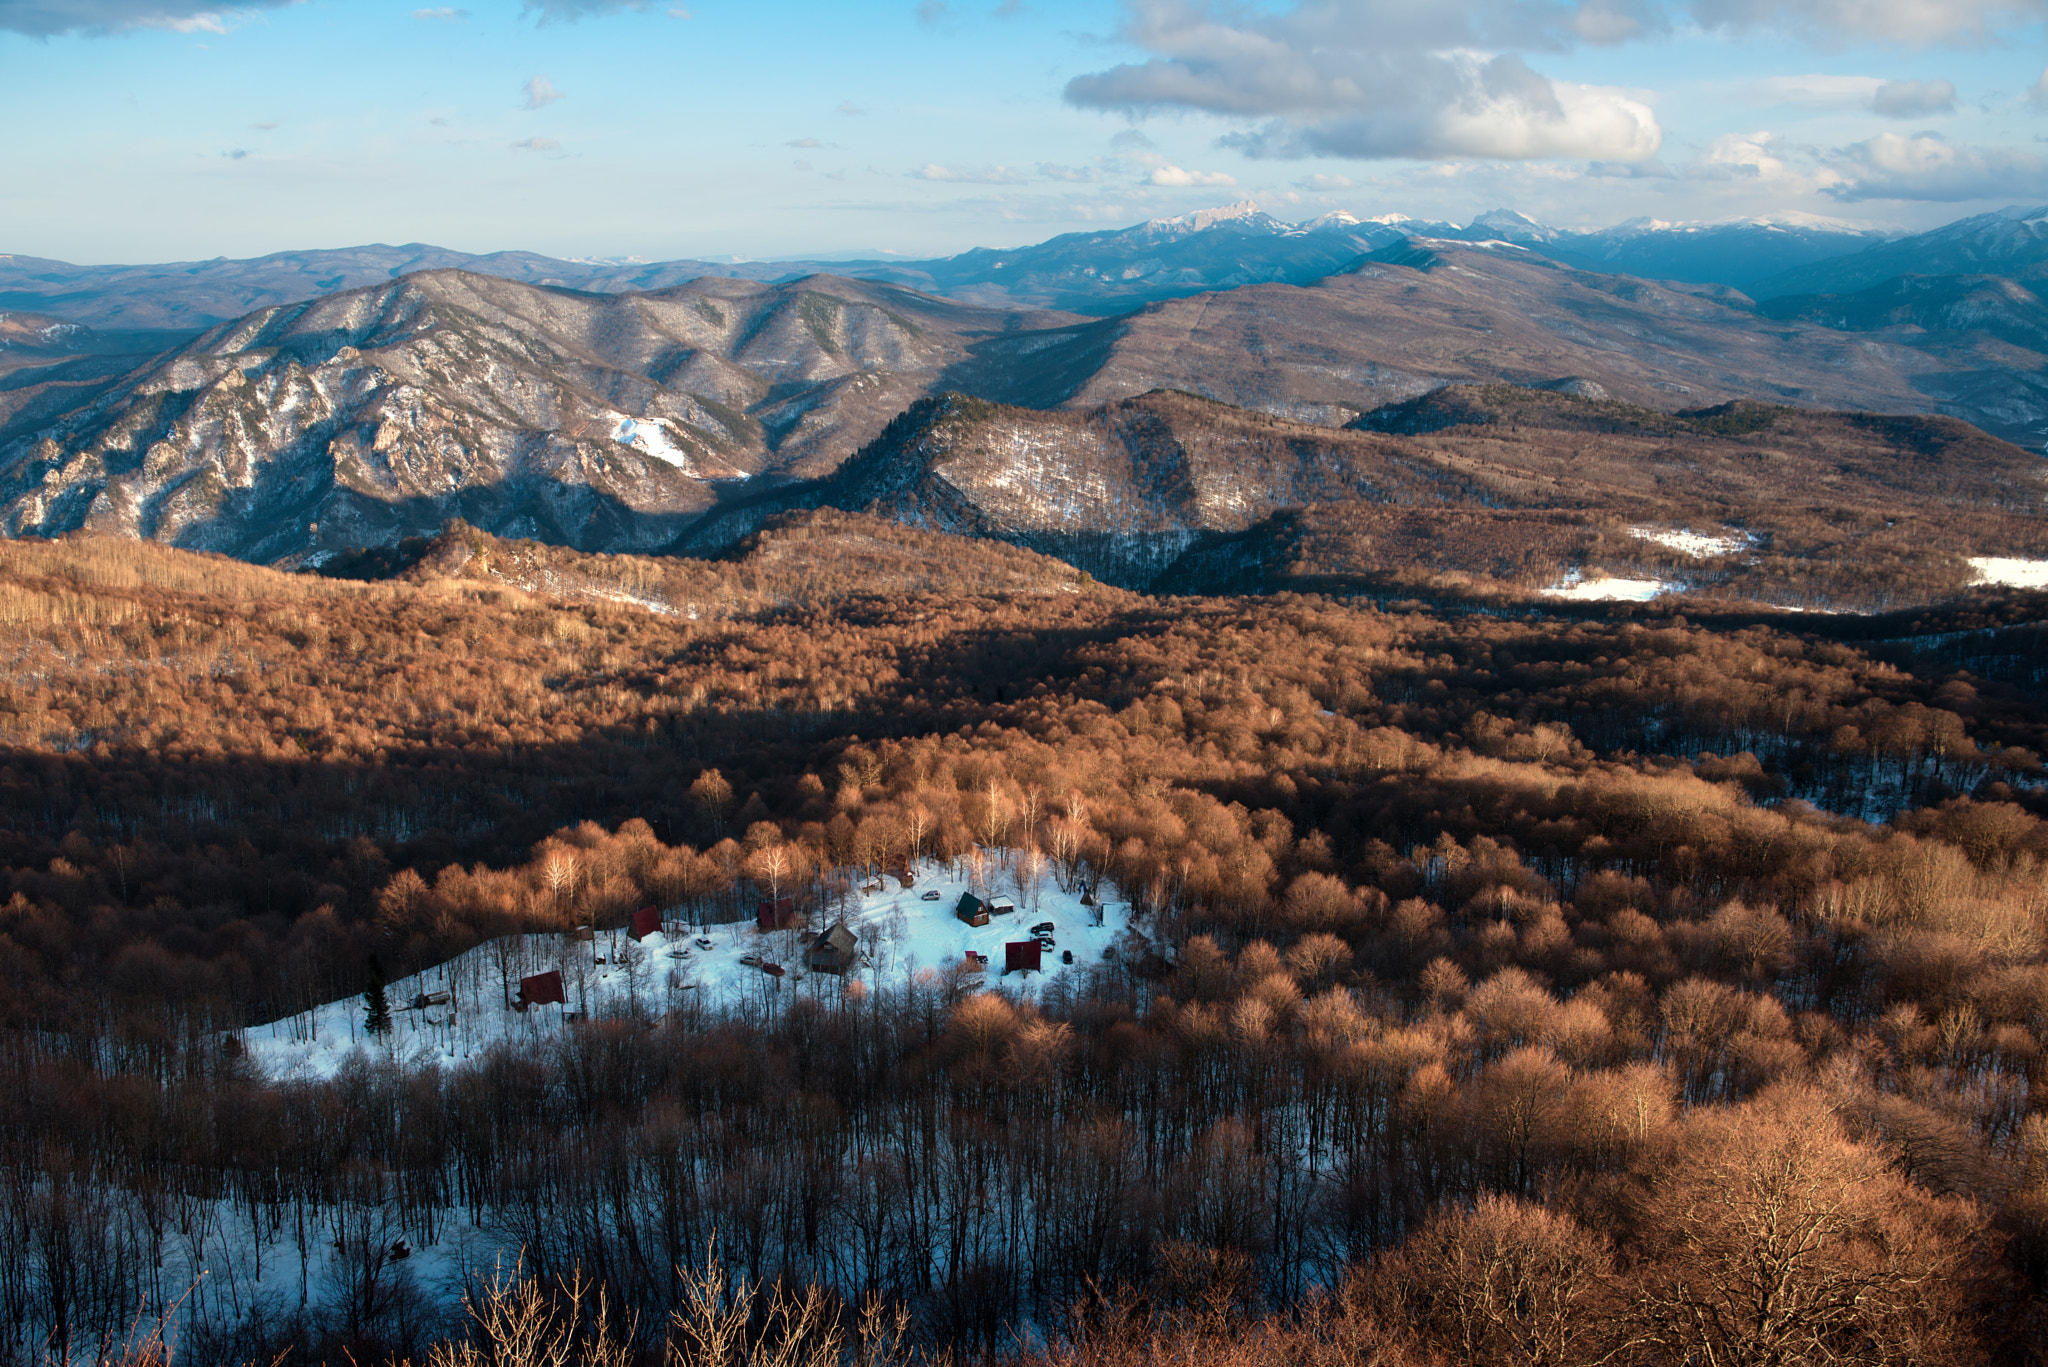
x=1205, y=218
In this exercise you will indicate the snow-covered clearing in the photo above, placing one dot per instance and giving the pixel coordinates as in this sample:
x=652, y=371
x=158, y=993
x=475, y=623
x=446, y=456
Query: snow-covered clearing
x=2009, y=572
x=901, y=933
x=1698, y=545
x=650, y=437
x=1604, y=589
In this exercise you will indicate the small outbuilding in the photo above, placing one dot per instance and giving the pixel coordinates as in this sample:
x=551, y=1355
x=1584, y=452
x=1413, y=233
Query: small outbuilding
x=779, y=914
x=540, y=989
x=1001, y=906
x=835, y=951
x=1021, y=956
x=646, y=922
x=972, y=910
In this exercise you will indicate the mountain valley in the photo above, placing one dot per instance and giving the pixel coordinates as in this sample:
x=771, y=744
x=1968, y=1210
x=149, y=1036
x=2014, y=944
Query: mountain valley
x=1289, y=427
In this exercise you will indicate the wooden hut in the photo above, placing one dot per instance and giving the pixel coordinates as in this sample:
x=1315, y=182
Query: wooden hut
x=1001, y=906
x=835, y=951
x=779, y=914
x=972, y=910
x=646, y=922
x=1021, y=956
x=540, y=989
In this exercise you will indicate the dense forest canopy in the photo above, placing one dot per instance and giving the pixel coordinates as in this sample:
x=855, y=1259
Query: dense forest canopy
x=1516, y=988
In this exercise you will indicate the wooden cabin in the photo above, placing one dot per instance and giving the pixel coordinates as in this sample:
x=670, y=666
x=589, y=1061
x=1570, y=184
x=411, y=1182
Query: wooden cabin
x=1001, y=906
x=835, y=951
x=972, y=910
x=540, y=989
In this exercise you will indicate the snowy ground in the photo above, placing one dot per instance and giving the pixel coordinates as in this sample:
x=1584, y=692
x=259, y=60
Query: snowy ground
x=1698, y=545
x=2009, y=572
x=900, y=934
x=1604, y=589
x=650, y=436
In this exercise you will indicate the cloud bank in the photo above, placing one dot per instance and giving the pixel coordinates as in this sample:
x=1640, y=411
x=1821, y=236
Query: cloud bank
x=1383, y=78
x=52, y=18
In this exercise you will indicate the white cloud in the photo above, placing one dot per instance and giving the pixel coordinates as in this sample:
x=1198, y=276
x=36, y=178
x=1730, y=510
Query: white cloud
x=803, y=143
x=536, y=145
x=1871, y=94
x=850, y=109
x=569, y=11
x=1754, y=156
x=1900, y=21
x=50, y=18
x=967, y=175
x=1077, y=174
x=1381, y=78
x=1322, y=182
x=1177, y=176
x=541, y=92
x=1928, y=167
x=1914, y=99
x=444, y=13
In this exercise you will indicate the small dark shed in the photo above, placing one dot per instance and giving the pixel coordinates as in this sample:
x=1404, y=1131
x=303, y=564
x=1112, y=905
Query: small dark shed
x=779, y=914
x=1000, y=906
x=540, y=989
x=646, y=921
x=971, y=910
x=835, y=951
x=1021, y=956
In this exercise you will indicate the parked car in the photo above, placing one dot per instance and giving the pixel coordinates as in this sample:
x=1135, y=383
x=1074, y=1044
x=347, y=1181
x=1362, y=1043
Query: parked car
x=1045, y=942
x=1043, y=928
x=1066, y=956
x=750, y=960
x=703, y=942
x=931, y=896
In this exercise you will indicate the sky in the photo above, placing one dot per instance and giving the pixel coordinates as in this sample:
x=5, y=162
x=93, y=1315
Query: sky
x=164, y=130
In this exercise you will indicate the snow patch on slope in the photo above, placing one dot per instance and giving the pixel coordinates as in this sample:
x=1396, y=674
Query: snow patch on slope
x=1604, y=589
x=1698, y=545
x=650, y=437
x=2009, y=572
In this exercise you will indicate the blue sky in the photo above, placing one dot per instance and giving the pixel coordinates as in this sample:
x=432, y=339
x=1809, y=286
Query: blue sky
x=151, y=130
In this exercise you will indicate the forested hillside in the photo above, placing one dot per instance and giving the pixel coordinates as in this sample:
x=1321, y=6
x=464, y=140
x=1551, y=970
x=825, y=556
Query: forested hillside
x=1500, y=977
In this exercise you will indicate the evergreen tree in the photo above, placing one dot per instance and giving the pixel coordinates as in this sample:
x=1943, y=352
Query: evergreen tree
x=376, y=1009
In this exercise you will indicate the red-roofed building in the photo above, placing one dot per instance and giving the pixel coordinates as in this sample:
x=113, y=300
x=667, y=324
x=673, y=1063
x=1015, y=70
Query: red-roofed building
x=646, y=921
x=540, y=989
x=1021, y=956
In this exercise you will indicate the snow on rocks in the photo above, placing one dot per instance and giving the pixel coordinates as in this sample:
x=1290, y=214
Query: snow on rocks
x=2009, y=572
x=459, y=1009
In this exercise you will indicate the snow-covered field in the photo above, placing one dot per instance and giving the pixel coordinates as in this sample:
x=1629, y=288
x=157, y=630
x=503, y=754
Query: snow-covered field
x=1604, y=589
x=1698, y=545
x=900, y=934
x=2009, y=572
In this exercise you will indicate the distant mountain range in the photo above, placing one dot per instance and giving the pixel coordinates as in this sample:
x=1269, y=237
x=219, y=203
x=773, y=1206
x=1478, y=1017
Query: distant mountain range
x=603, y=415
x=1096, y=273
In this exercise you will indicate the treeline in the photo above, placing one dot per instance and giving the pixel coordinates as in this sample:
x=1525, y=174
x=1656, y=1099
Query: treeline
x=1506, y=981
